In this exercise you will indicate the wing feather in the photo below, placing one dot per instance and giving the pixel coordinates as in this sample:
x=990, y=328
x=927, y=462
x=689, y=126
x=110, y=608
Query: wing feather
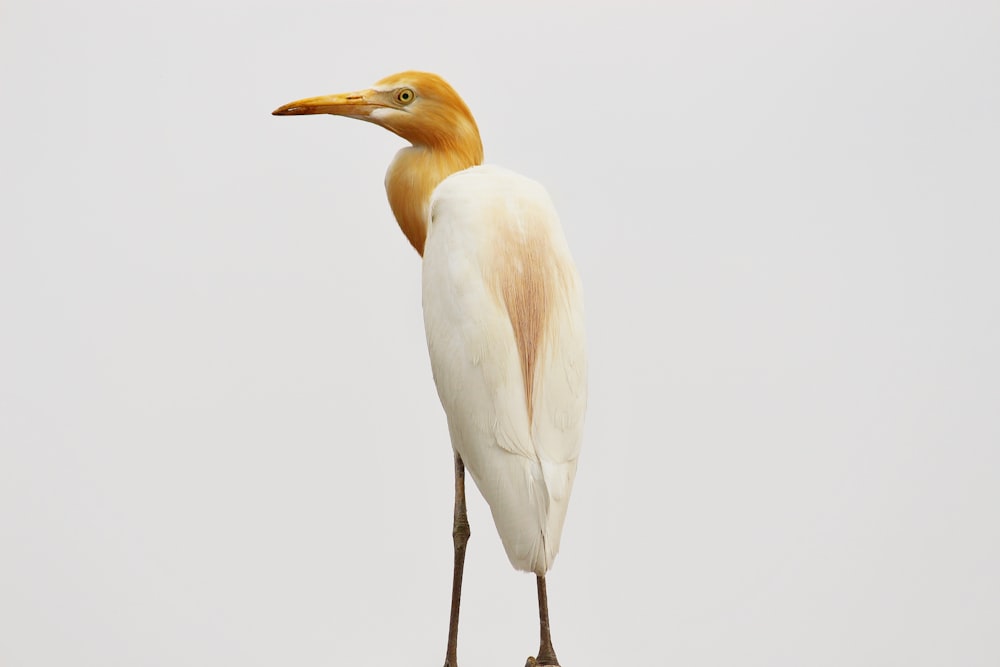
x=504, y=322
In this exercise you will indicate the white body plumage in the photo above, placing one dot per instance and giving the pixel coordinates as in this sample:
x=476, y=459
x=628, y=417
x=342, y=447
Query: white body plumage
x=503, y=314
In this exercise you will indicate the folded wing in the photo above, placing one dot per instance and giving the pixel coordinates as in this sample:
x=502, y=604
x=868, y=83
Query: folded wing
x=504, y=321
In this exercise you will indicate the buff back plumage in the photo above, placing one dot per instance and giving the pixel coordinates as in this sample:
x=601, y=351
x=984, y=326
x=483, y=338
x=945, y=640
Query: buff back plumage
x=504, y=320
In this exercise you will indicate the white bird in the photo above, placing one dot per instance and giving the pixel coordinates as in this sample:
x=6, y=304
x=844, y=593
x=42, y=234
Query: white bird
x=503, y=314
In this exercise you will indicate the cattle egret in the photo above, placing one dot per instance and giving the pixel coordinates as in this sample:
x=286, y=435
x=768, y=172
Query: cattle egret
x=503, y=314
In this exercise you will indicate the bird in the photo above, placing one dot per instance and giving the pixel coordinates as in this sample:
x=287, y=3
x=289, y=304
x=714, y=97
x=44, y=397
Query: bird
x=503, y=317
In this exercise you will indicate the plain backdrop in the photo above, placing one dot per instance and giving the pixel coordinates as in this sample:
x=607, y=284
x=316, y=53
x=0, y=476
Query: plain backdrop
x=220, y=442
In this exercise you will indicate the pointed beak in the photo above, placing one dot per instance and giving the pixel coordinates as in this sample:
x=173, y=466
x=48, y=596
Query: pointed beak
x=358, y=104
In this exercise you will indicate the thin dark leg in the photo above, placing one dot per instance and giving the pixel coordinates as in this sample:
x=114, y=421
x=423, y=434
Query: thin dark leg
x=546, y=654
x=460, y=536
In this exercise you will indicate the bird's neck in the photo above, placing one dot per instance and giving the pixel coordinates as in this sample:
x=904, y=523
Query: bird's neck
x=414, y=174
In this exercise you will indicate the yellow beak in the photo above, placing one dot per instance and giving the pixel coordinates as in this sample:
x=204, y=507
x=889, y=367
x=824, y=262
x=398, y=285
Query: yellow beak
x=358, y=104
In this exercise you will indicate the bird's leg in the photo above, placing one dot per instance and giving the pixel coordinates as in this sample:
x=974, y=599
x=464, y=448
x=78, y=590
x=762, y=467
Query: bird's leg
x=460, y=536
x=546, y=654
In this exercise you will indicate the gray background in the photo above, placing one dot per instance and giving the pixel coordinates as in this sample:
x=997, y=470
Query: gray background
x=220, y=439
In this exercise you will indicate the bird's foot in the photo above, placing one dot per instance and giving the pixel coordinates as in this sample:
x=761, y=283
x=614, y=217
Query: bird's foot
x=535, y=662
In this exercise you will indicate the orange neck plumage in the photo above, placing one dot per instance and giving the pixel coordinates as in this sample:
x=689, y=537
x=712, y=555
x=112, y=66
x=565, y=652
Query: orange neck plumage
x=415, y=173
x=445, y=140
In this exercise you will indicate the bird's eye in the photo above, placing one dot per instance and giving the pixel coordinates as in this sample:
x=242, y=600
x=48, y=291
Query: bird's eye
x=405, y=96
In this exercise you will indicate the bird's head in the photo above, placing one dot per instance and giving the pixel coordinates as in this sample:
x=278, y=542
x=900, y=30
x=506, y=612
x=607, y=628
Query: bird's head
x=418, y=106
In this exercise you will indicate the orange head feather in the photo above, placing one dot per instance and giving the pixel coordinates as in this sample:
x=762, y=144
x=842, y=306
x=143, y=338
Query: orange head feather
x=423, y=109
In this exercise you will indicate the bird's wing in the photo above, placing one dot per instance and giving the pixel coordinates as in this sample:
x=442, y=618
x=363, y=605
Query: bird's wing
x=504, y=322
